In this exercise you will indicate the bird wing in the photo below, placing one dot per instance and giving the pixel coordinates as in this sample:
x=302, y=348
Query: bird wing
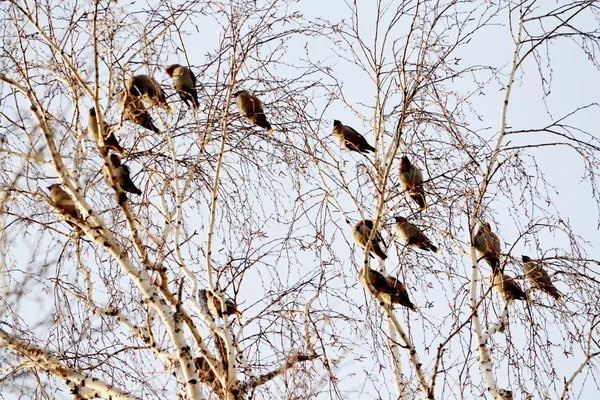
x=192, y=77
x=493, y=242
x=255, y=104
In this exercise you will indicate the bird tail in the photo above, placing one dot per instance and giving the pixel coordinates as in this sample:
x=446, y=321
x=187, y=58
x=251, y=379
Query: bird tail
x=433, y=248
x=169, y=109
x=419, y=198
x=556, y=294
x=377, y=250
x=494, y=262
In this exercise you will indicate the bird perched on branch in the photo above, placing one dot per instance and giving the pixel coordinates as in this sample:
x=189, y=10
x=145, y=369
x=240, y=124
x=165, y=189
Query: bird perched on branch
x=361, y=232
x=507, y=287
x=487, y=245
x=349, y=139
x=123, y=175
x=392, y=291
x=184, y=81
x=205, y=373
x=62, y=200
x=413, y=236
x=132, y=109
x=146, y=88
x=411, y=180
x=214, y=305
x=251, y=108
x=65, y=203
x=110, y=141
x=539, y=278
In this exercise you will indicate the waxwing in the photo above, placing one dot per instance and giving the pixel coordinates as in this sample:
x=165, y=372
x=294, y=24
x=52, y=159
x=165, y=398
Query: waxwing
x=251, y=108
x=413, y=236
x=184, y=81
x=349, y=139
x=411, y=180
x=361, y=232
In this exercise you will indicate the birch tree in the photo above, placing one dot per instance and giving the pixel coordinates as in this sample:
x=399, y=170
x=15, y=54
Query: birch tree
x=234, y=274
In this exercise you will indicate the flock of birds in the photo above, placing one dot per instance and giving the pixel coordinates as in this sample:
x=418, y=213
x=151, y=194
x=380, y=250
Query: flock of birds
x=143, y=88
x=485, y=241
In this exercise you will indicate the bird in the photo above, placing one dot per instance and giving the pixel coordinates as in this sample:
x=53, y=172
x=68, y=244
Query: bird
x=146, y=88
x=487, y=245
x=413, y=236
x=507, y=287
x=411, y=180
x=349, y=139
x=505, y=394
x=205, y=372
x=110, y=141
x=63, y=201
x=361, y=232
x=392, y=291
x=132, y=109
x=214, y=305
x=123, y=175
x=251, y=108
x=184, y=81
x=539, y=278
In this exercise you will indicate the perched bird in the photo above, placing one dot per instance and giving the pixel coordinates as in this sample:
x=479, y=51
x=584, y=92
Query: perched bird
x=349, y=139
x=205, y=373
x=146, y=88
x=123, y=175
x=214, y=305
x=184, y=81
x=361, y=232
x=505, y=394
x=487, y=245
x=411, y=179
x=251, y=108
x=110, y=141
x=507, y=287
x=539, y=278
x=62, y=200
x=132, y=109
x=391, y=289
x=412, y=236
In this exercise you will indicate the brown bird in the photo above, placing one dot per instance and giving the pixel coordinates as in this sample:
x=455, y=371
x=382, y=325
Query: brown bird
x=251, y=108
x=132, y=109
x=505, y=394
x=214, y=305
x=392, y=291
x=361, y=232
x=507, y=287
x=413, y=236
x=205, y=373
x=184, y=81
x=411, y=180
x=63, y=201
x=487, y=245
x=123, y=175
x=539, y=278
x=146, y=88
x=349, y=139
x=110, y=141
